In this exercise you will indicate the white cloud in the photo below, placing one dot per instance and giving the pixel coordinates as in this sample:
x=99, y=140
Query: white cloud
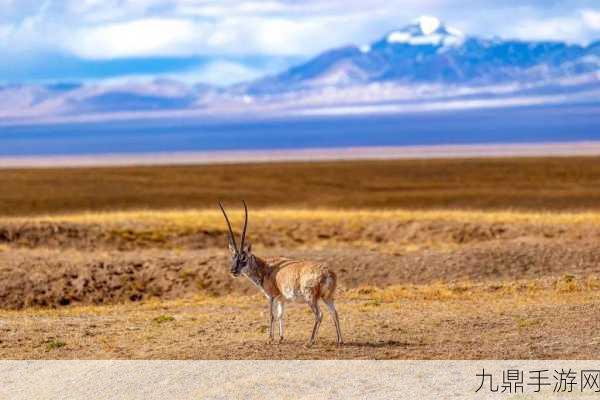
x=591, y=19
x=152, y=36
x=576, y=28
x=276, y=35
x=230, y=8
x=94, y=11
x=549, y=29
x=229, y=36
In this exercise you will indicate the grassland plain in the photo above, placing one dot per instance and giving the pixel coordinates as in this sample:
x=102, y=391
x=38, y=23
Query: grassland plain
x=512, y=272
x=568, y=183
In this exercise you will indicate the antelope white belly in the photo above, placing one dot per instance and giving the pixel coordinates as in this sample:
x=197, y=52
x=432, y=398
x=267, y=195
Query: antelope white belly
x=294, y=294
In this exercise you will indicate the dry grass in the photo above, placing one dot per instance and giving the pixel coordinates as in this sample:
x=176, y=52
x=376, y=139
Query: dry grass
x=213, y=219
x=524, y=184
x=463, y=320
x=525, y=290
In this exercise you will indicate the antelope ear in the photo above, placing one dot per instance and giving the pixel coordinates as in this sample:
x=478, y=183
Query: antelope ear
x=232, y=249
x=248, y=248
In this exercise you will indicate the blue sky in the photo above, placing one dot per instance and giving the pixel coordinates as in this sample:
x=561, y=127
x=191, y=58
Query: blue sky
x=227, y=41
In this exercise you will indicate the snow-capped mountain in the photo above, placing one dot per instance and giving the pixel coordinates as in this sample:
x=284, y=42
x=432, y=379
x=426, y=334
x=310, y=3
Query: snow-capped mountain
x=425, y=31
x=426, y=65
x=429, y=52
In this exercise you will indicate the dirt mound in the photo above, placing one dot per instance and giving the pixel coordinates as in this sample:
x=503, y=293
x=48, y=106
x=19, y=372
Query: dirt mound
x=46, y=263
x=276, y=233
x=53, y=278
x=512, y=260
x=60, y=277
x=94, y=236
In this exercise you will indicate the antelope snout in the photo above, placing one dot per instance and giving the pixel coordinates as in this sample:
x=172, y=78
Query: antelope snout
x=235, y=272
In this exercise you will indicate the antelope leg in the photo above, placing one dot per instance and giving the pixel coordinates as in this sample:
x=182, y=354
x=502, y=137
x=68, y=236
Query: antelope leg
x=279, y=317
x=271, y=320
x=336, y=321
x=314, y=306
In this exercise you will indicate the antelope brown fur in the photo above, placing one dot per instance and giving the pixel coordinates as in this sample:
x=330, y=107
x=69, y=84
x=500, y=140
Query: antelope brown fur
x=284, y=280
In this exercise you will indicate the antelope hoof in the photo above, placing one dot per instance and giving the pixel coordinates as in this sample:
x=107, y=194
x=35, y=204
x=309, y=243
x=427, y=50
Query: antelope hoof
x=280, y=340
x=309, y=344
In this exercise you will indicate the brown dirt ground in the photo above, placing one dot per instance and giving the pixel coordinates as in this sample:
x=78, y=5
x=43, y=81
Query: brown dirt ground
x=412, y=288
x=516, y=321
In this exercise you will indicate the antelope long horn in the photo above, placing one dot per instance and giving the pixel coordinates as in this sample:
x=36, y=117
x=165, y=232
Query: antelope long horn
x=231, y=237
x=245, y=226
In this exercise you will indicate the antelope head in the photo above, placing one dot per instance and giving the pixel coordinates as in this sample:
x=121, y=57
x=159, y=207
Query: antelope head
x=242, y=260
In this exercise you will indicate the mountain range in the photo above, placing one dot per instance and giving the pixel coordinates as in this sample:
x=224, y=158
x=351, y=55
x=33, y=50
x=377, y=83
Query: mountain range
x=427, y=51
x=422, y=64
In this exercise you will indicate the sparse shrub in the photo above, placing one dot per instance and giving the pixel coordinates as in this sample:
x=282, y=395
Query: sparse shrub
x=363, y=292
x=527, y=322
x=366, y=290
x=372, y=303
x=567, y=283
x=54, y=344
x=161, y=319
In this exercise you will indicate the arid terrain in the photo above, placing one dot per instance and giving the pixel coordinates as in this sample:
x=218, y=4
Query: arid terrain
x=557, y=184
x=506, y=268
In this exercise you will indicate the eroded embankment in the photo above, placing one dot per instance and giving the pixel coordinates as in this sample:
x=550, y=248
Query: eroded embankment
x=53, y=262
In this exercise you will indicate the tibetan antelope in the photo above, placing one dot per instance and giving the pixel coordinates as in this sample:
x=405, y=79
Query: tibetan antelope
x=283, y=280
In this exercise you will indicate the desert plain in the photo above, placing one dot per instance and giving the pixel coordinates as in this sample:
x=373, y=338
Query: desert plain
x=437, y=259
